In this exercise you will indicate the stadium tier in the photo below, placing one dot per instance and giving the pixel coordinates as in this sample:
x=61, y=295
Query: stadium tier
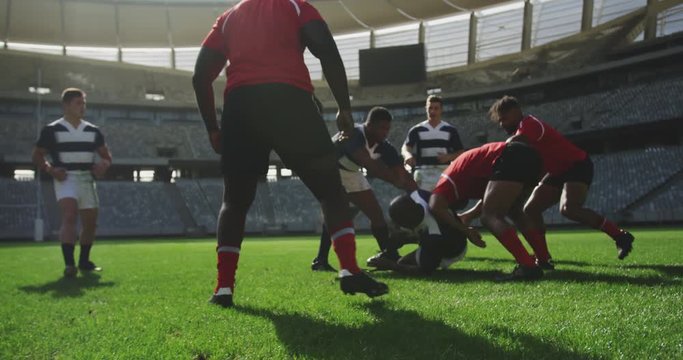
x=665, y=204
x=147, y=134
x=638, y=186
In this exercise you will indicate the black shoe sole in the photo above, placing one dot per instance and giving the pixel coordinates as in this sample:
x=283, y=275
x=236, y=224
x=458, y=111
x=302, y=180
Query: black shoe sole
x=624, y=251
x=373, y=294
x=222, y=301
x=323, y=269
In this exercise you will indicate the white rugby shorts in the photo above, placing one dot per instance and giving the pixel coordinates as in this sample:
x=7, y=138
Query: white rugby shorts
x=426, y=177
x=78, y=185
x=354, y=181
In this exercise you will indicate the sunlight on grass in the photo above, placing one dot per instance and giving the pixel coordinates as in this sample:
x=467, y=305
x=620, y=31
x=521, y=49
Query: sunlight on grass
x=150, y=302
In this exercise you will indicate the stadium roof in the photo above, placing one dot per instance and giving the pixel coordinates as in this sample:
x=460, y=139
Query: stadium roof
x=178, y=23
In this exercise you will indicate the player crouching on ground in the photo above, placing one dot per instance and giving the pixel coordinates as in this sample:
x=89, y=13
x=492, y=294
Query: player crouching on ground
x=439, y=244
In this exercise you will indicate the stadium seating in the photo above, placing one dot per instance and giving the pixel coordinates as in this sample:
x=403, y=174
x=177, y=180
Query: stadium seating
x=128, y=208
x=296, y=209
x=664, y=207
x=137, y=208
x=198, y=204
x=622, y=178
x=139, y=133
x=17, y=208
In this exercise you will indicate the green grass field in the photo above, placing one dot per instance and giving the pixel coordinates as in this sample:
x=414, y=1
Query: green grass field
x=150, y=303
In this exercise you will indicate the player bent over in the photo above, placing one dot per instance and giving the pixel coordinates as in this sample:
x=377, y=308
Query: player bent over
x=368, y=148
x=501, y=174
x=568, y=176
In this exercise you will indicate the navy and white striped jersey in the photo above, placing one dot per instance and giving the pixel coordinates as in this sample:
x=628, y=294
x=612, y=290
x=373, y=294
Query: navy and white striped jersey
x=69, y=147
x=383, y=151
x=428, y=142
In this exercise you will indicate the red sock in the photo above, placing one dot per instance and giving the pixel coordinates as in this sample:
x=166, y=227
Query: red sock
x=228, y=256
x=344, y=242
x=536, y=238
x=511, y=242
x=609, y=228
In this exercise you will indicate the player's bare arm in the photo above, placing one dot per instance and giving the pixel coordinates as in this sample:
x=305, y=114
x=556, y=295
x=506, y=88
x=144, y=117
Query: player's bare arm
x=400, y=173
x=406, y=265
x=438, y=206
x=467, y=216
x=518, y=138
x=209, y=65
x=407, y=153
x=447, y=158
x=39, y=157
x=105, y=162
x=375, y=168
x=318, y=39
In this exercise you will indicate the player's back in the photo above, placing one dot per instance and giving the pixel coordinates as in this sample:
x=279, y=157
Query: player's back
x=261, y=39
x=471, y=170
x=557, y=152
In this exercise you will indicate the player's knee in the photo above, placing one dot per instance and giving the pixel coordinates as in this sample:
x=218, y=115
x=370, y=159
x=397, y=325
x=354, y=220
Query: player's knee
x=378, y=223
x=569, y=210
x=240, y=202
x=531, y=210
x=90, y=228
x=69, y=219
x=429, y=263
x=489, y=218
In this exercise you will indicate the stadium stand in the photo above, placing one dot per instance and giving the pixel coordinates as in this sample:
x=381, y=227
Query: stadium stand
x=128, y=208
x=138, y=208
x=17, y=208
x=665, y=206
x=197, y=202
x=591, y=82
x=622, y=178
x=295, y=207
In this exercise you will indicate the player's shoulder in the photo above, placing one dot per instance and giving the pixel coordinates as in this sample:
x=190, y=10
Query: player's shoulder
x=56, y=125
x=359, y=130
x=88, y=126
x=387, y=148
x=528, y=118
x=421, y=126
x=57, y=122
x=446, y=124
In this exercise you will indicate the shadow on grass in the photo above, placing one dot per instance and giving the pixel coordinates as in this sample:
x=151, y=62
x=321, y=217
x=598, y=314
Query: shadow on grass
x=670, y=275
x=672, y=270
x=511, y=262
x=592, y=277
x=68, y=287
x=450, y=275
x=401, y=334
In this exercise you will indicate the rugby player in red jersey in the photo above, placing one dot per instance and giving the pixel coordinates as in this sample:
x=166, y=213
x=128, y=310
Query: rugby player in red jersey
x=568, y=176
x=269, y=105
x=501, y=175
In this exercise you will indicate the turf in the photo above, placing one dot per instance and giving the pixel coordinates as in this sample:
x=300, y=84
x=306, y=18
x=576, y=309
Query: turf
x=150, y=303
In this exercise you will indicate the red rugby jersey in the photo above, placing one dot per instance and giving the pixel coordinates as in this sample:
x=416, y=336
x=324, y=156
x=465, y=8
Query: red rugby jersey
x=467, y=176
x=558, y=153
x=262, y=42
